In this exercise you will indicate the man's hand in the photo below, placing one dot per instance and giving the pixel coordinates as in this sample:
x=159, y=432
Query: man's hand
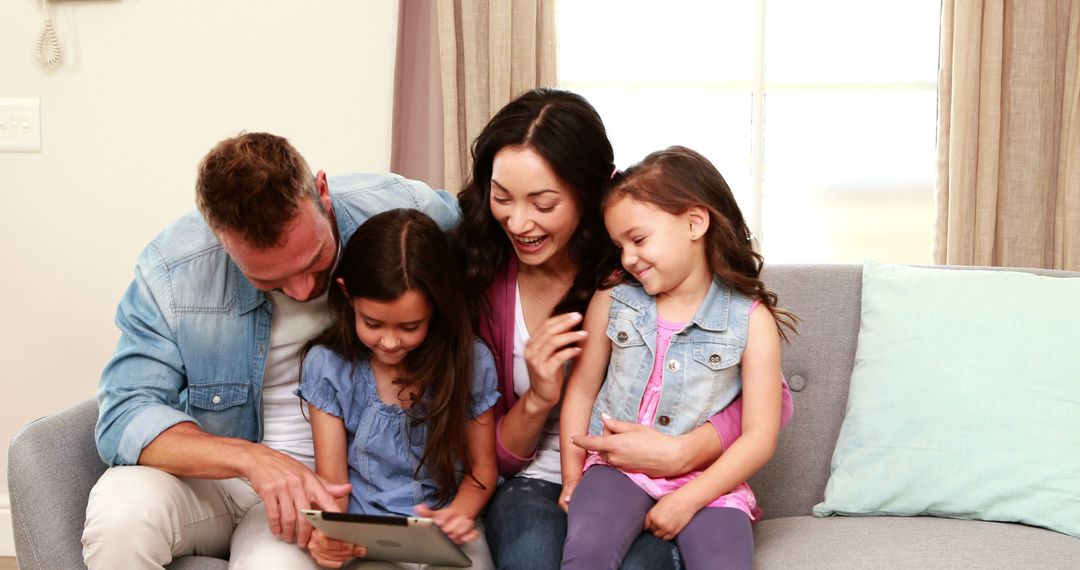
x=332, y=553
x=670, y=515
x=635, y=448
x=458, y=527
x=286, y=486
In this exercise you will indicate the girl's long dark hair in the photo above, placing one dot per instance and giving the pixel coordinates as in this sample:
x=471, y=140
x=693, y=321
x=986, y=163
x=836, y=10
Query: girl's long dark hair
x=564, y=129
x=391, y=253
x=678, y=178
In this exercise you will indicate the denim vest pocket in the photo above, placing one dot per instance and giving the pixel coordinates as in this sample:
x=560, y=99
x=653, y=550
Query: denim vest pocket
x=218, y=406
x=630, y=356
x=716, y=356
x=713, y=381
x=628, y=369
x=622, y=332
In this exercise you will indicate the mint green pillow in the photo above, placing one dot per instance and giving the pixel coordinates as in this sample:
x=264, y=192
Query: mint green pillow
x=965, y=399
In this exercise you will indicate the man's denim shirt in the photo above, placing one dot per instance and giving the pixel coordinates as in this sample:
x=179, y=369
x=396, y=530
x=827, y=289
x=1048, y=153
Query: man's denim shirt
x=702, y=370
x=194, y=331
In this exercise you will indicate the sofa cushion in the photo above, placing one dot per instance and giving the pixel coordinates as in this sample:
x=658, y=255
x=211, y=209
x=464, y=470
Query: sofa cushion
x=908, y=542
x=964, y=400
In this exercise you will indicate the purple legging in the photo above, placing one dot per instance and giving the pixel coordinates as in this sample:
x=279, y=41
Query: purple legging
x=607, y=511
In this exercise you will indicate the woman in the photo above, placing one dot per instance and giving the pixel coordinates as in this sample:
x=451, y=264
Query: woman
x=534, y=250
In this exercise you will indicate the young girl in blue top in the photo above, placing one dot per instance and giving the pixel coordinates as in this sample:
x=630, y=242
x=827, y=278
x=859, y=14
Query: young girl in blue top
x=689, y=328
x=400, y=392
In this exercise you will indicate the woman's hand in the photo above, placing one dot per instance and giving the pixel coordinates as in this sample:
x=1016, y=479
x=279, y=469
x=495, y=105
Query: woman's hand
x=546, y=354
x=458, y=527
x=331, y=553
x=635, y=448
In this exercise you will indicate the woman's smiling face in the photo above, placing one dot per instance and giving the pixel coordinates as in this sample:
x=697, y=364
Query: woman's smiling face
x=538, y=211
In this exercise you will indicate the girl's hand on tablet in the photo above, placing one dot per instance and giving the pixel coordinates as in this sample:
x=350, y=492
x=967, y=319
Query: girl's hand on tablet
x=331, y=553
x=458, y=527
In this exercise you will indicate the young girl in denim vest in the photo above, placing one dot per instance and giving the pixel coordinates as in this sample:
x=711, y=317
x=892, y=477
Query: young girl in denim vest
x=400, y=393
x=689, y=328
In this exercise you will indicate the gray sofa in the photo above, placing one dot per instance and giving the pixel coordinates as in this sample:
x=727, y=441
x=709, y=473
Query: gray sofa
x=52, y=466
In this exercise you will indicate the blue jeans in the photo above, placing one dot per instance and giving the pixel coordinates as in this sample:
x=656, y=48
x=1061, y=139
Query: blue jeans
x=526, y=530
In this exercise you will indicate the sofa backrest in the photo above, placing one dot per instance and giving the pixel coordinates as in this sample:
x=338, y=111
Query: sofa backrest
x=817, y=364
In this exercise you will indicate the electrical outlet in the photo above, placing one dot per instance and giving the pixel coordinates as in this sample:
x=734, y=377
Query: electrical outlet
x=20, y=125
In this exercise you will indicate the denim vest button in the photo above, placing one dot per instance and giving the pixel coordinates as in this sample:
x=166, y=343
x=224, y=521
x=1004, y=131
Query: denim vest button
x=216, y=399
x=622, y=336
x=663, y=420
x=715, y=358
x=673, y=365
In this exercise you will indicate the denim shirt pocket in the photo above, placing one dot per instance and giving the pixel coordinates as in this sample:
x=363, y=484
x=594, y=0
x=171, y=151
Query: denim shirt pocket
x=219, y=406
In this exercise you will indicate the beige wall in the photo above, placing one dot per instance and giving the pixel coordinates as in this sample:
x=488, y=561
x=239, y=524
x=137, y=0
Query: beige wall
x=146, y=88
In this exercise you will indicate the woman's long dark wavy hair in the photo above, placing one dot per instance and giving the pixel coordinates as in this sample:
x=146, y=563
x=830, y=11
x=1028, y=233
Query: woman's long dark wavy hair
x=566, y=131
x=678, y=178
x=391, y=253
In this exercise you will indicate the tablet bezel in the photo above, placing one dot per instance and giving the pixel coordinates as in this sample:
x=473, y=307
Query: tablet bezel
x=415, y=540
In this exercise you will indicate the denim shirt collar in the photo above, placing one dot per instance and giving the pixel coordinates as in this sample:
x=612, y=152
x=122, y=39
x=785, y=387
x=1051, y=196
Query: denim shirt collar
x=346, y=224
x=248, y=298
x=712, y=315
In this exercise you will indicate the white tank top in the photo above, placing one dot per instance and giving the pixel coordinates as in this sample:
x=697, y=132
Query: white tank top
x=285, y=425
x=546, y=464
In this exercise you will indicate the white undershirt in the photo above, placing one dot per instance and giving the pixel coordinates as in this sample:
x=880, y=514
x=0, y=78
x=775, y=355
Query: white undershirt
x=546, y=464
x=285, y=428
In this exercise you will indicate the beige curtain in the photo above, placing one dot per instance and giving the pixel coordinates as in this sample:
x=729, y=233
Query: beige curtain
x=1009, y=134
x=490, y=51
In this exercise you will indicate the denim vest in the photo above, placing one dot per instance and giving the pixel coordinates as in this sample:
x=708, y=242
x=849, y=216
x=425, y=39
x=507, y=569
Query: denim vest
x=194, y=331
x=701, y=372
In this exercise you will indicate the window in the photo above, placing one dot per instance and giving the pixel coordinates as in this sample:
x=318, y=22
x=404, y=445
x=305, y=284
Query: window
x=821, y=115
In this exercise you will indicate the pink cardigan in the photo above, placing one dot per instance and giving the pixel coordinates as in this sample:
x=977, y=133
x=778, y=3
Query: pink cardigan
x=497, y=330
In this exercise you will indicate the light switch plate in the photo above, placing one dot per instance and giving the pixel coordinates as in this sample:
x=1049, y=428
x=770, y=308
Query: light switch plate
x=20, y=125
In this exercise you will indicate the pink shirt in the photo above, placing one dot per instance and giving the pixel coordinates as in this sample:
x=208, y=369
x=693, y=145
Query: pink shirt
x=650, y=400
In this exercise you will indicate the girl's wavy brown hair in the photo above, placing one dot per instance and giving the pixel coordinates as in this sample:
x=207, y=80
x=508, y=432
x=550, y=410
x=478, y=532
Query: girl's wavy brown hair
x=678, y=178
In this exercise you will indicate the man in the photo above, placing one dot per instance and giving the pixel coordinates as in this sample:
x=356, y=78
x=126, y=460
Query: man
x=209, y=449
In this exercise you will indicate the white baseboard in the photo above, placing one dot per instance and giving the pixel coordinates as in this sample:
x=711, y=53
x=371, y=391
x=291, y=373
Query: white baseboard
x=7, y=537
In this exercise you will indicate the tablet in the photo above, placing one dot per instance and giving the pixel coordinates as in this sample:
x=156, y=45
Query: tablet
x=392, y=539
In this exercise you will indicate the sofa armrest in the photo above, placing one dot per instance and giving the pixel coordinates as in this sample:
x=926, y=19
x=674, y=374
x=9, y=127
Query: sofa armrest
x=52, y=465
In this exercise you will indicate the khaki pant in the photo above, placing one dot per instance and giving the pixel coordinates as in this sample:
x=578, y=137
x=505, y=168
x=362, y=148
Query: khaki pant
x=140, y=517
